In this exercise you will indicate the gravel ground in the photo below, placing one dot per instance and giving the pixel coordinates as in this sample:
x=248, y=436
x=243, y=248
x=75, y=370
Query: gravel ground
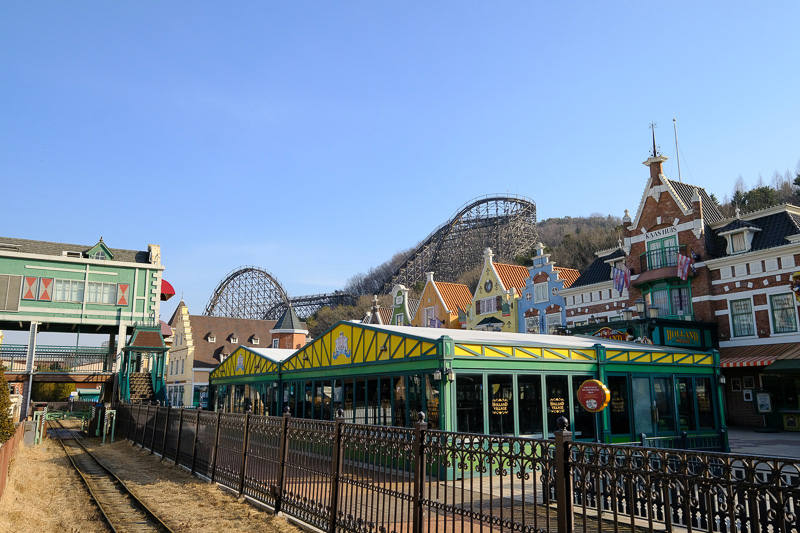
x=45, y=494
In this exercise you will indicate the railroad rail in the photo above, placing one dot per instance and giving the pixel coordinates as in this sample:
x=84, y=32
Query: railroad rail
x=120, y=508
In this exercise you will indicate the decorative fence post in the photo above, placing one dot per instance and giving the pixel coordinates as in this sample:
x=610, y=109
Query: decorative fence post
x=336, y=466
x=244, y=451
x=563, y=478
x=282, y=463
x=418, y=484
x=178, y=443
x=194, y=445
x=164, y=439
x=153, y=436
x=214, y=450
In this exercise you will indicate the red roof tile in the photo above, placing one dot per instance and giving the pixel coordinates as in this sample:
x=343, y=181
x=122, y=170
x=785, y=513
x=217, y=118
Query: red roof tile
x=512, y=275
x=455, y=295
x=569, y=275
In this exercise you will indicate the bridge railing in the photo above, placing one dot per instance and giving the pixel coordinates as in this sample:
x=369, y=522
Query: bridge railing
x=61, y=359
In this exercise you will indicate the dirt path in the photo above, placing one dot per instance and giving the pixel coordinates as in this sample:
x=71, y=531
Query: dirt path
x=44, y=494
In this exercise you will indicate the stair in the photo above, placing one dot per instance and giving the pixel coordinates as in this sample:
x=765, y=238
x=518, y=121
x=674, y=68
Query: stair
x=141, y=387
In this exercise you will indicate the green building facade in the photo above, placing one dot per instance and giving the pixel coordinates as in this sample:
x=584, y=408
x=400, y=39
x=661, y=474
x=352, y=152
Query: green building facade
x=481, y=382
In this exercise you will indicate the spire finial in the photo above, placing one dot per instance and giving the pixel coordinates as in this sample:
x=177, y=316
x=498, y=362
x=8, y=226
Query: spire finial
x=653, y=125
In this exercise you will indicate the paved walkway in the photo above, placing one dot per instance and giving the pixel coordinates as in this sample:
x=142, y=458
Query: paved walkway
x=751, y=442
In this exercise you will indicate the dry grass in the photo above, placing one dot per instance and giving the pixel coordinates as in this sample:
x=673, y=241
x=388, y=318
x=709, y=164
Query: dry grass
x=184, y=502
x=44, y=494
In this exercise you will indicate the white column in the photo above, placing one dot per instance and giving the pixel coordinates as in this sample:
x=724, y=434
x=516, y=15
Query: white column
x=29, y=367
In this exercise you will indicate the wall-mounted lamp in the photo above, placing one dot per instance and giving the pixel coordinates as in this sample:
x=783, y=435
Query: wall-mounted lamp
x=627, y=314
x=722, y=379
x=449, y=374
x=652, y=311
x=437, y=375
x=640, y=307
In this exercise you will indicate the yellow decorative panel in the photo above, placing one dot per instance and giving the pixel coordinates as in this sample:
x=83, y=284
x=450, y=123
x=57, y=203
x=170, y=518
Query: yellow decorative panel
x=244, y=362
x=498, y=351
x=468, y=350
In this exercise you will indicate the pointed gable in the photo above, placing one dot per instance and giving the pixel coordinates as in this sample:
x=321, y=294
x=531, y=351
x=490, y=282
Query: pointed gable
x=99, y=251
x=454, y=296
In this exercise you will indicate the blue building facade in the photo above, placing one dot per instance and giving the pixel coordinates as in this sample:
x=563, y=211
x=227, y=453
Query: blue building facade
x=541, y=308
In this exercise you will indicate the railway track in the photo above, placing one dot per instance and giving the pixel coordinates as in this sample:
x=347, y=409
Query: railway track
x=122, y=511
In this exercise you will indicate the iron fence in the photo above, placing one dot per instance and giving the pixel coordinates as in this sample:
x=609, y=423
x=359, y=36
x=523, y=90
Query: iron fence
x=343, y=477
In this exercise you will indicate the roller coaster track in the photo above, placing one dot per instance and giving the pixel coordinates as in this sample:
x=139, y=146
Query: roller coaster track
x=504, y=223
x=120, y=508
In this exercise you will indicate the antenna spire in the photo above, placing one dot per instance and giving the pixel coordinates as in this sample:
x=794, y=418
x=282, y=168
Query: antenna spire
x=677, y=154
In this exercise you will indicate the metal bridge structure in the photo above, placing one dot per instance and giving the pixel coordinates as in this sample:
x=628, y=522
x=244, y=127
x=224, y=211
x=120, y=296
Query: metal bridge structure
x=254, y=293
x=504, y=223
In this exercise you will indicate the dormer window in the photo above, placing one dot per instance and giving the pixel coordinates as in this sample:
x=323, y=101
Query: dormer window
x=274, y=343
x=211, y=337
x=100, y=255
x=255, y=340
x=234, y=338
x=739, y=235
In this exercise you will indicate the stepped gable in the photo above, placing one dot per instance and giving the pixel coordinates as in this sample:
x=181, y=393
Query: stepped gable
x=599, y=271
x=454, y=295
x=512, y=275
x=567, y=275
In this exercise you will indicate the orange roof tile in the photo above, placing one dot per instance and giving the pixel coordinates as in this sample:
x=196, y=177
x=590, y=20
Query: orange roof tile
x=512, y=275
x=569, y=275
x=455, y=295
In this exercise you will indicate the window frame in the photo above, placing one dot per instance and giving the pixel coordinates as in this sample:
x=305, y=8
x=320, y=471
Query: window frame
x=792, y=309
x=749, y=313
x=537, y=287
x=101, y=291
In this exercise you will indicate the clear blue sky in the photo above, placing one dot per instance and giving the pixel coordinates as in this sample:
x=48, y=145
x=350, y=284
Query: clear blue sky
x=315, y=139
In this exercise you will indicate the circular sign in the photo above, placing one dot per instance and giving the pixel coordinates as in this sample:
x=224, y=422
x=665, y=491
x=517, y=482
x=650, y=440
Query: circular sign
x=488, y=285
x=593, y=395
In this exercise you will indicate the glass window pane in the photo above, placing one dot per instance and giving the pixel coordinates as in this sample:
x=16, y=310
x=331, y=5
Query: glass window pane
x=416, y=398
x=360, y=400
x=400, y=401
x=584, y=421
x=347, y=401
x=662, y=390
x=386, y=402
x=373, y=407
x=530, y=405
x=685, y=404
x=432, y=401
x=705, y=403
x=469, y=403
x=619, y=414
x=557, y=401
x=783, y=313
x=501, y=404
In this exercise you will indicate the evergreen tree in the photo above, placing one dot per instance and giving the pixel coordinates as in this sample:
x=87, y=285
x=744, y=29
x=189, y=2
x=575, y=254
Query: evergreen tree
x=6, y=424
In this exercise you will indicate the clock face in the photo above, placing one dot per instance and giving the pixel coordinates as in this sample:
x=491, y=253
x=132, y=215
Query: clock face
x=488, y=285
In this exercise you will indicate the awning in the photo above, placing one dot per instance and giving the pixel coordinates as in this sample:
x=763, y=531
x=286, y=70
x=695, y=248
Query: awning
x=784, y=365
x=167, y=291
x=758, y=355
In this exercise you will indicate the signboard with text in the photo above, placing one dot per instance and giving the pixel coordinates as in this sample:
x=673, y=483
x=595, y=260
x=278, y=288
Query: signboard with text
x=593, y=395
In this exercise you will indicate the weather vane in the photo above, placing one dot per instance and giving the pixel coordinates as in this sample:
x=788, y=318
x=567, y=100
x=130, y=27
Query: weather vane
x=653, y=126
